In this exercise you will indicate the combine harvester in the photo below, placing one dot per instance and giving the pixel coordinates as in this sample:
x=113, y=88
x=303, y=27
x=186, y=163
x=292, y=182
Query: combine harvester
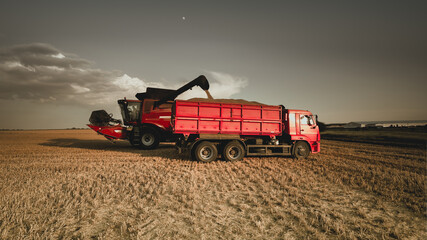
x=208, y=128
x=146, y=121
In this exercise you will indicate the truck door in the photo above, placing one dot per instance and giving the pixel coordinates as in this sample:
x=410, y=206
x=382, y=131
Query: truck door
x=308, y=127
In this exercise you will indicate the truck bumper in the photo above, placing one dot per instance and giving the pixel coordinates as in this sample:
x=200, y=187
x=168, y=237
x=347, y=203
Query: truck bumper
x=315, y=147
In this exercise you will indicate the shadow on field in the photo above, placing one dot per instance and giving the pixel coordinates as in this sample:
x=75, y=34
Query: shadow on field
x=166, y=150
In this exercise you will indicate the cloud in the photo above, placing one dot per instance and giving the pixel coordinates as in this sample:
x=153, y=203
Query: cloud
x=39, y=72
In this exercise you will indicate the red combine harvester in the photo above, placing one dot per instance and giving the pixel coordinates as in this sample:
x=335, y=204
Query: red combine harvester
x=235, y=130
x=146, y=121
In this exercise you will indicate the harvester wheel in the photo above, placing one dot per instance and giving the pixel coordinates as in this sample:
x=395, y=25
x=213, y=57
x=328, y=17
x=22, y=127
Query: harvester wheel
x=233, y=151
x=149, y=139
x=134, y=143
x=205, y=152
x=301, y=150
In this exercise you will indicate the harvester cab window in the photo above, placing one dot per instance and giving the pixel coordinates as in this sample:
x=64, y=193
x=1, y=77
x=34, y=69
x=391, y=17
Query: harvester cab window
x=148, y=105
x=130, y=111
x=167, y=105
x=122, y=110
x=133, y=110
x=307, y=120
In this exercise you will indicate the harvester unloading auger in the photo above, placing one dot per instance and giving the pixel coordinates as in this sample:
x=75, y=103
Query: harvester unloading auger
x=146, y=121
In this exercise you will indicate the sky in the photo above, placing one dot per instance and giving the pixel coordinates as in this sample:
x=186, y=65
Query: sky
x=342, y=60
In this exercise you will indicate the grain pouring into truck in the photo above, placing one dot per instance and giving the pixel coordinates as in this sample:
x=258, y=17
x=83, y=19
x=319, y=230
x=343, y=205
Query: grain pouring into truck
x=208, y=128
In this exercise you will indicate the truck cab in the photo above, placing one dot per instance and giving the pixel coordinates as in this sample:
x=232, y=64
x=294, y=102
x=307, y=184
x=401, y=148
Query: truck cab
x=301, y=126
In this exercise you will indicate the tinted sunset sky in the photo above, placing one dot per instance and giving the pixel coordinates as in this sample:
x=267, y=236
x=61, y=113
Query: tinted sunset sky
x=359, y=61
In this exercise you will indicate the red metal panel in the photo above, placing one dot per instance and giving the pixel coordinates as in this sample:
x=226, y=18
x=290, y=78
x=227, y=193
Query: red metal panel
x=236, y=113
x=230, y=127
x=249, y=128
x=187, y=111
x=186, y=125
x=251, y=113
x=209, y=126
x=226, y=112
x=202, y=117
x=110, y=132
x=270, y=128
x=210, y=111
x=270, y=114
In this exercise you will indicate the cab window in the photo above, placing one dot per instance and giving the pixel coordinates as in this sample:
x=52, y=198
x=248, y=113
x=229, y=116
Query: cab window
x=148, y=106
x=133, y=110
x=167, y=105
x=307, y=120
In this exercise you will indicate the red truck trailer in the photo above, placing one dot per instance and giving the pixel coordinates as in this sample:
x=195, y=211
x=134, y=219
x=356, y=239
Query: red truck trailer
x=209, y=129
x=146, y=121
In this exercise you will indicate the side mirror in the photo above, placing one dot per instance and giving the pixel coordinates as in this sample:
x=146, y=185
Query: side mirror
x=313, y=123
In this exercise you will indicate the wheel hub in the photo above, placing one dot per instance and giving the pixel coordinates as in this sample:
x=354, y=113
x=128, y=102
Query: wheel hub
x=206, y=153
x=147, y=139
x=234, y=153
x=301, y=151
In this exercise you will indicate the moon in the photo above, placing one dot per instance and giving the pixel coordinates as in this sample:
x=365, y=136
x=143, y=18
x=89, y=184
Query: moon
x=183, y=18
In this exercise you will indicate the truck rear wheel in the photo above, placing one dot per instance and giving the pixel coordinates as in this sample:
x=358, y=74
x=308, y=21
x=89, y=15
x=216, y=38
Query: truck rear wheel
x=149, y=139
x=205, y=152
x=301, y=150
x=233, y=151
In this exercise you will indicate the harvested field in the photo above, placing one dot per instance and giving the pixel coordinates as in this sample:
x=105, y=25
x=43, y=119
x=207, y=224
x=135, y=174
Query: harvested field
x=415, y=137
x=75, y=184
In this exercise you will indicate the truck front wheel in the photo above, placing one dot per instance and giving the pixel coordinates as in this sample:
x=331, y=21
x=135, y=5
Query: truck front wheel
x=233, y=151
x=205, y=152
x=149, y=139
x=301, y=150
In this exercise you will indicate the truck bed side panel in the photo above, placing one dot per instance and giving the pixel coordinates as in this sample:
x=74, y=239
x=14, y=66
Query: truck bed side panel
x=221, y=118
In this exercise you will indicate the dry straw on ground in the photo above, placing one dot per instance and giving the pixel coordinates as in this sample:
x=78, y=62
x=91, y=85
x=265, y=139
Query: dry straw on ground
x=74, y=184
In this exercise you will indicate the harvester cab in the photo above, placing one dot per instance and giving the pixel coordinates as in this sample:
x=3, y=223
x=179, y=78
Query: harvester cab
x=130, y=110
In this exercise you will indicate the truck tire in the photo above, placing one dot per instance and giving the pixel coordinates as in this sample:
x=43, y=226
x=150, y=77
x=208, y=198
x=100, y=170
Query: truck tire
x=301, y=150
x=205, y=152
x=150, y=139
x=233, y=151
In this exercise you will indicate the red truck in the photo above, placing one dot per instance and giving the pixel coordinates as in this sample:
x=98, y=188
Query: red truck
x=234, y=130
x=146, y=121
